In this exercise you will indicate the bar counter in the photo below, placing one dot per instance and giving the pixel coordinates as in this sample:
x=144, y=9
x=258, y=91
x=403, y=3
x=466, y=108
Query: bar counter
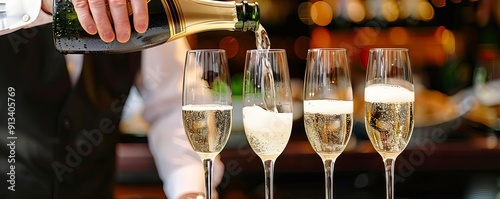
x=463, y=164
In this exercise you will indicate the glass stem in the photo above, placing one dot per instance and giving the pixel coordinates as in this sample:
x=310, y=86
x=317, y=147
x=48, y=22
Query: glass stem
x=328, y=163
x=208, y=165
x=389, y=176
x=269, y=172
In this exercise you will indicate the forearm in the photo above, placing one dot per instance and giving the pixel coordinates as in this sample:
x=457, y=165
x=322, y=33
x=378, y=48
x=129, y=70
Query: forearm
x=92, y=15
x=161, y=88
x=179, y=169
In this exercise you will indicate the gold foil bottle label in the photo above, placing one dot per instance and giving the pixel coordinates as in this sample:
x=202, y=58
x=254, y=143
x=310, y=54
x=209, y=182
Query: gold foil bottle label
x=175, y=18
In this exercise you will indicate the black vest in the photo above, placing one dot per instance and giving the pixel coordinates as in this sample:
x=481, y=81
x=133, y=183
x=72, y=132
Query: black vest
x=59, y=140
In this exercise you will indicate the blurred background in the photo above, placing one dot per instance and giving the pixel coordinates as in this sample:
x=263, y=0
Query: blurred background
x=454, y=152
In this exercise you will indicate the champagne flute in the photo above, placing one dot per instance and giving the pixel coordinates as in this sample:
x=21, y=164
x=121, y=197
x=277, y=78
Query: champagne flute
x=487, y=88
x=328, y=106
x=267, y=107
x=389, y=99
x=207, y=106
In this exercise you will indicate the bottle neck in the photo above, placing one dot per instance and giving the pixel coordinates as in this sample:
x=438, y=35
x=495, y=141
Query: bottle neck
x=248, y=16
x=203, y=15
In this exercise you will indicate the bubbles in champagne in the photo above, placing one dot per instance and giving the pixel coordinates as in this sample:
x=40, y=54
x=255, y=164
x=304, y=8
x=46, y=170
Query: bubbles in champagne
x=207, y=127
x=389, y=117
x=267, y=132
x=389, y=126
x=328, y=125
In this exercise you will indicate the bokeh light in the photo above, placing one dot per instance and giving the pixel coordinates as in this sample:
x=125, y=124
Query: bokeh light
x=404, y=9
x=270, y=14
x=438, y=33
x=398, y=35
x=335, y=5
x=304, y=11
x=425, y=10
x=321, y=13
x=320, y=38
x=439, y=3
x=390, y=10
x=412, y=7
x=372, y=9
x=231, y=45
x=355, y=11
x=300, y=47
x=448, y=41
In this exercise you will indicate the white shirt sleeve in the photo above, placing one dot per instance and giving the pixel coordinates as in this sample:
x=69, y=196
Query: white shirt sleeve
x=16, y=14
x=160, y=86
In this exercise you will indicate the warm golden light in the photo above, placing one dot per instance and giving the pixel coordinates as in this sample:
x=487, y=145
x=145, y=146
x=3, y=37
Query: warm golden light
x=425, y=10
x=304, y=12
x=270, y=14
x=439, y=32
x=335, y=5
x=355, y=11
x=372, y=9
x=398, y=35
x=390, y=10
x=320, y=38
x=404, y=11
x=439, y=3
x=321, y=13
x=448, y=41
x=411, y=6
x=445, y=36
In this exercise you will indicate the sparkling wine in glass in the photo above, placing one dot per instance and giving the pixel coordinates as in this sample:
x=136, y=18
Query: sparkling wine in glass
x=207, y=106
x=328, y=106
x=267, y=107
x=389, y=106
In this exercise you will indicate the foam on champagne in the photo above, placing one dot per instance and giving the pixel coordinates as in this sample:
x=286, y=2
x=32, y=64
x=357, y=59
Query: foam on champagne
x=258, y=119
x=328, y=106
x=385, y=93
x=206, y=107
x=267, y=132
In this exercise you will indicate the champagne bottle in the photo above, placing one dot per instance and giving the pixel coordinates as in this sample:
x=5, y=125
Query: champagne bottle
x=168, y=20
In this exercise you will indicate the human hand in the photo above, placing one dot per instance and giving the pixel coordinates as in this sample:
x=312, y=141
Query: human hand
x=193, y=196
x=47, y=6
x=95, y=17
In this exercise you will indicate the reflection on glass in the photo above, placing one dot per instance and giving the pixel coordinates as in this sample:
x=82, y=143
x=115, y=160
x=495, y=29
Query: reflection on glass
x=389, y=106
x=207, y=106
x=328, y=107
x=267, y=107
